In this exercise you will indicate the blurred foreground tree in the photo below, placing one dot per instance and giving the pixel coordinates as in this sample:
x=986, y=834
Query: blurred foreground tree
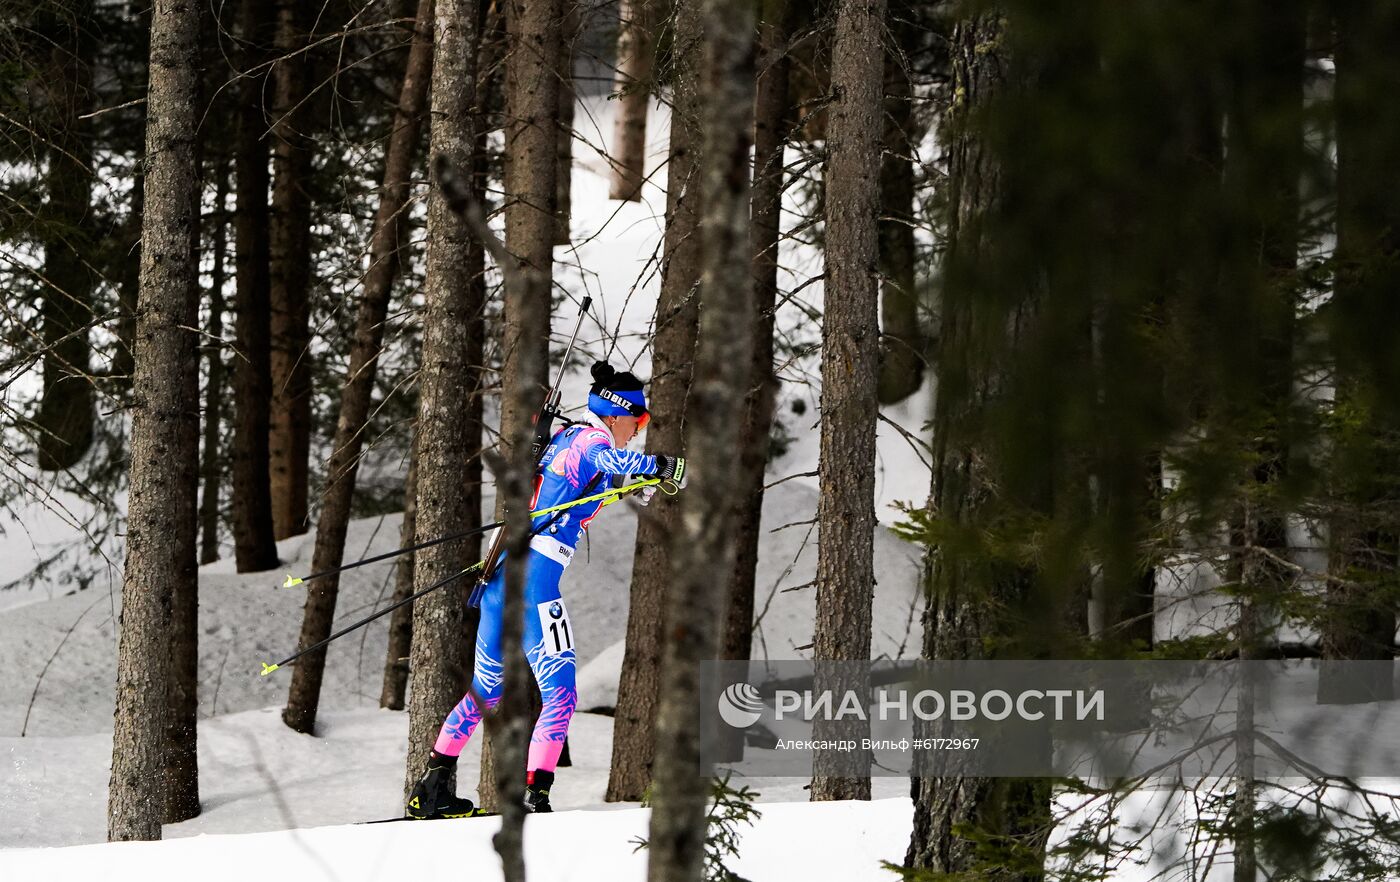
x=704, y=545
x=673, y=353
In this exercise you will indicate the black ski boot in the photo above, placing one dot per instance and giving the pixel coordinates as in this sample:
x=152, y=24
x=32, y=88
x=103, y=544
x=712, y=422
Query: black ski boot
x=432, y=798
x=537, y=784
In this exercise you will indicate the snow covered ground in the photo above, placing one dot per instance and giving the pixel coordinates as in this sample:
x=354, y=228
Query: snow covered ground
x=258, y=777
x=563, y=847
x=256, y=774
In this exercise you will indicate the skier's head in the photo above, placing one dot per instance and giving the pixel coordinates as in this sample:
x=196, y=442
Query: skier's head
x=617, y=399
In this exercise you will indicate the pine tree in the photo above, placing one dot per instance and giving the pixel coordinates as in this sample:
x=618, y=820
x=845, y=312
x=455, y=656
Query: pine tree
x=165, y=428
x=532, y=107
x=438, y=669
x=210, y=463
x=1359, y=623
x=290, y=277
x=850, y=366
x=901, y=337
x=67, y=409
x=964, y=598
x=564, y=138
x=635, y=59
x=769, y=127
x=395, y=687
x=1263, y=165
x=182, y=640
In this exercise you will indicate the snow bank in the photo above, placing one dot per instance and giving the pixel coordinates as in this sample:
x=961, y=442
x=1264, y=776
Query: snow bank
x=564, y=847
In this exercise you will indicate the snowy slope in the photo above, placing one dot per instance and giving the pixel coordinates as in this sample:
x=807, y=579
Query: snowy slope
x=249, y=619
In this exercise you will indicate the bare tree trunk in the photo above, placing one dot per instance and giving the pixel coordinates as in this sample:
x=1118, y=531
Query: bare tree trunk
x=770, y=111
x=850, y=365
x=490, y=84
x=673, y=350
x=564, y=140
x=289, y=433
x=532, y=104
x=182, y=641
x=401, y=621
x=396, y=666
x=66, y=411
x=475, y=355
x=164, y=430
x=210, y=466
x=253, y=540
x=356, y=397
x=704, y=545
x=633, y=83
x=438, y=669
x=901, y=339
x=473, y=471
x=391, y=695
x=1126, y=589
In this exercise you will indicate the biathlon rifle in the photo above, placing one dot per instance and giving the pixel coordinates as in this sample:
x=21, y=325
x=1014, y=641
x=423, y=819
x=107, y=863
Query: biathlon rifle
x=544, y=432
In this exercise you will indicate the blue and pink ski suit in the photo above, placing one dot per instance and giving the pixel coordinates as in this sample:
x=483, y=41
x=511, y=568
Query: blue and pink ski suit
x=577, y=454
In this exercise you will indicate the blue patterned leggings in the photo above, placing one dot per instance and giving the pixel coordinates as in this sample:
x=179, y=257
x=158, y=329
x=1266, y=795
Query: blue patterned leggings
x=549, y=645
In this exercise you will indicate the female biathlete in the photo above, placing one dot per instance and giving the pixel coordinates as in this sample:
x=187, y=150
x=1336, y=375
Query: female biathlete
x=578, y=459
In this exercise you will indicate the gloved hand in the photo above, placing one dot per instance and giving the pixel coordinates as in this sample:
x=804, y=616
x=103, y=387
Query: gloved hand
x=644, y=495
x=672, y=468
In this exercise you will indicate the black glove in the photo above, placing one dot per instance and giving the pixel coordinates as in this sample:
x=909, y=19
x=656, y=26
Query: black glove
x=672, y=468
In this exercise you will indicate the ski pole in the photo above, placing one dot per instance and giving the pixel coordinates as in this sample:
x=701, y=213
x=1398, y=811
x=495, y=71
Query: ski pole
x=293, y=581
x=267, y=668
x=554, y=509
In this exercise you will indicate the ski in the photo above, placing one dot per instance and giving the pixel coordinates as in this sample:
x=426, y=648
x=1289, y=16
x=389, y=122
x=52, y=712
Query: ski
x=438, y=818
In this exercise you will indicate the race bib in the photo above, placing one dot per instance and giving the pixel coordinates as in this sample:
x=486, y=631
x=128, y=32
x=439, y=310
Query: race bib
x=554, y=625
